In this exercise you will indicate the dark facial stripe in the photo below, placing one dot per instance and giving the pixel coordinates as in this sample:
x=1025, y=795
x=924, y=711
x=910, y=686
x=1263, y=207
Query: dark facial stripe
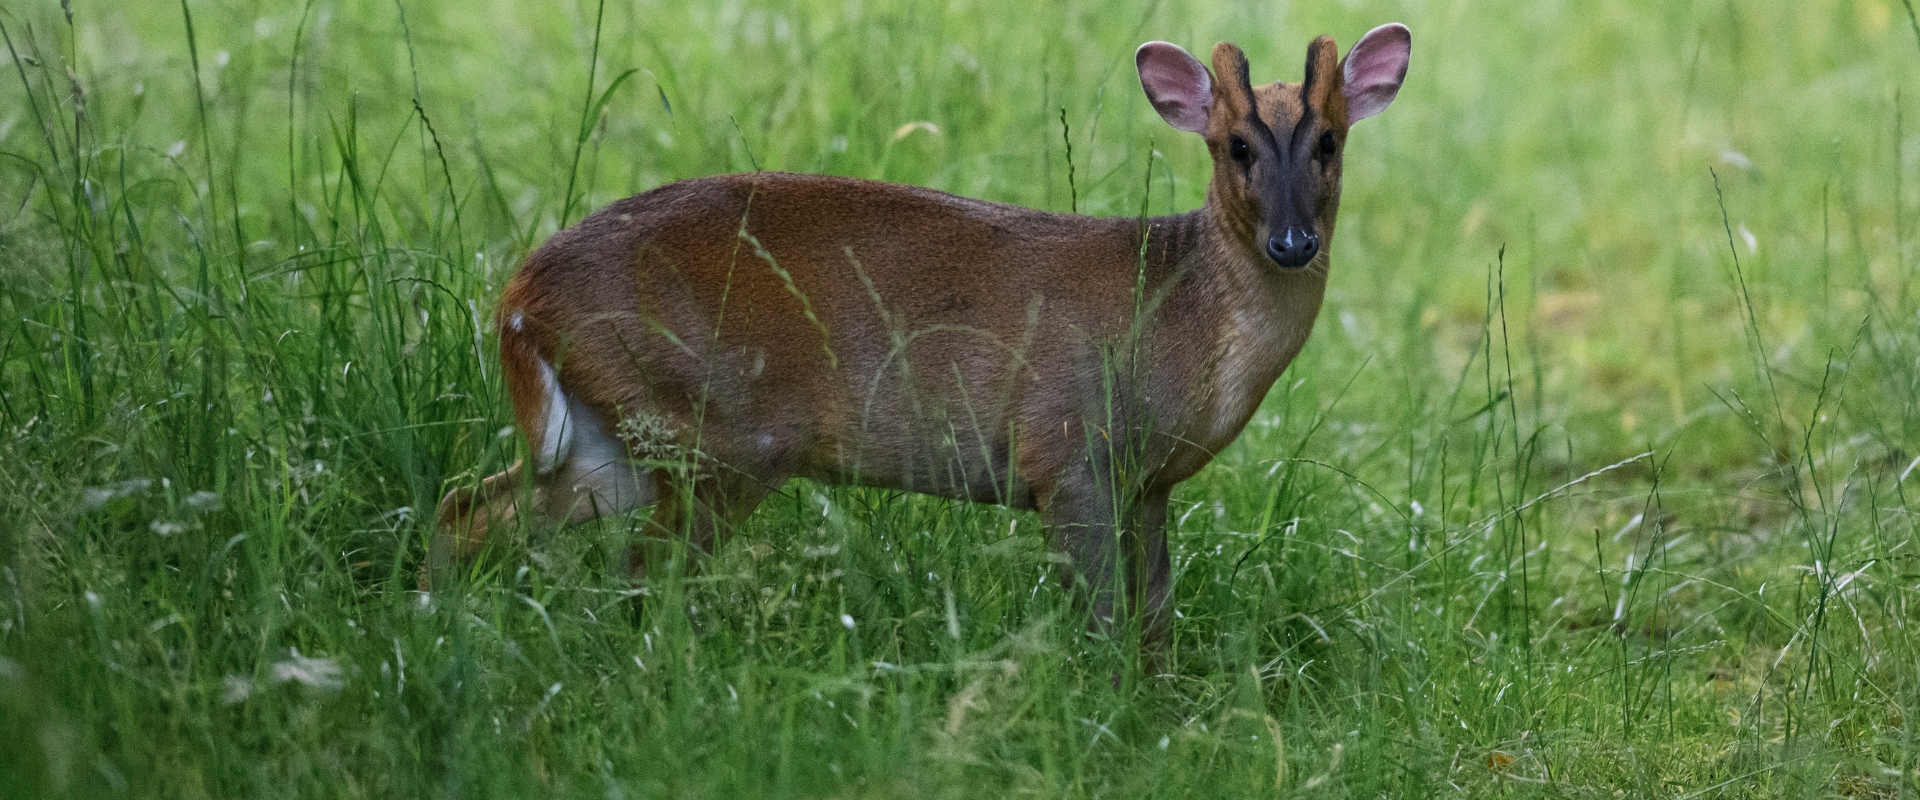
x=1254, y=119
x=1306, y=83
x=1303, y=129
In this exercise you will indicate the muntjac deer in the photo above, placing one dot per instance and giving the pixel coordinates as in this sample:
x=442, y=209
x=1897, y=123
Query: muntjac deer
x=693, y=347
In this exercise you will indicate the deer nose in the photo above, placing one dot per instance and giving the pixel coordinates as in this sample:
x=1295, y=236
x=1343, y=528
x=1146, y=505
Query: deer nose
x=1293, y=247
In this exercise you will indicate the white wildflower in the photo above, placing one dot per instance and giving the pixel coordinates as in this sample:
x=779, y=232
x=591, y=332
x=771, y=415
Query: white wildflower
x=320, y=673
x=235, y=689
x=97, y=497
x=203, y=501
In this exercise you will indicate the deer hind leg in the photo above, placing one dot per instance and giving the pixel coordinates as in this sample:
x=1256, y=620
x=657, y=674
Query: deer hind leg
x=704, y=508
x=580, y=469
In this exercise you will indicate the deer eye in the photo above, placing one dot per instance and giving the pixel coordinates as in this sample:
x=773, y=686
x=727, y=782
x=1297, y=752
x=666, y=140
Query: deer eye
x=1237, y=147
x=1327, y=145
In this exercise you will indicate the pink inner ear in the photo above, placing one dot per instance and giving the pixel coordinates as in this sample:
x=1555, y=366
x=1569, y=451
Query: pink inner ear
x=1375, y=68
x=1177, y=85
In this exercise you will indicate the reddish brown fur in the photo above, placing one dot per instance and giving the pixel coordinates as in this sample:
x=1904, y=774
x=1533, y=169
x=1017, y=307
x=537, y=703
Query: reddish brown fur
x=766, y=326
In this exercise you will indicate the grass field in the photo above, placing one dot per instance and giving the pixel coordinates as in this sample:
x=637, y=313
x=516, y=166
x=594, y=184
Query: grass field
x=1597, y=479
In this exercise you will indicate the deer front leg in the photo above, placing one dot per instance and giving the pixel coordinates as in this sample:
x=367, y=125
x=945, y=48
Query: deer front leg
x=1080, y=515
x=1150, y=569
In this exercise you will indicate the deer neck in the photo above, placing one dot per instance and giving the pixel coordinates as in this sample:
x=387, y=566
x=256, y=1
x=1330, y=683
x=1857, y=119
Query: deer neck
x=1235, y=316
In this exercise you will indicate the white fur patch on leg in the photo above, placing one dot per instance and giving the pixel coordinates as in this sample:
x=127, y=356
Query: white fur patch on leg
x=556, y=426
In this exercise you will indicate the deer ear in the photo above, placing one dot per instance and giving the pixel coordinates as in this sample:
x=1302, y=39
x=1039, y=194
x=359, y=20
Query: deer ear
x=1177, y=85
x=1374, y=69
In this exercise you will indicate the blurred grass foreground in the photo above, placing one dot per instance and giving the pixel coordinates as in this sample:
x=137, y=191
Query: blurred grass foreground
x=1597, y=479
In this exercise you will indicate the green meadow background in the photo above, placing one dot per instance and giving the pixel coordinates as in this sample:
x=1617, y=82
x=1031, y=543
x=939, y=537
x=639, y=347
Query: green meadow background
x=1597, y=479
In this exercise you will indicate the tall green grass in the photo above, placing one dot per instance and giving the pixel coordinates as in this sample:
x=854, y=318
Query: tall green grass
x=1598, y=477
